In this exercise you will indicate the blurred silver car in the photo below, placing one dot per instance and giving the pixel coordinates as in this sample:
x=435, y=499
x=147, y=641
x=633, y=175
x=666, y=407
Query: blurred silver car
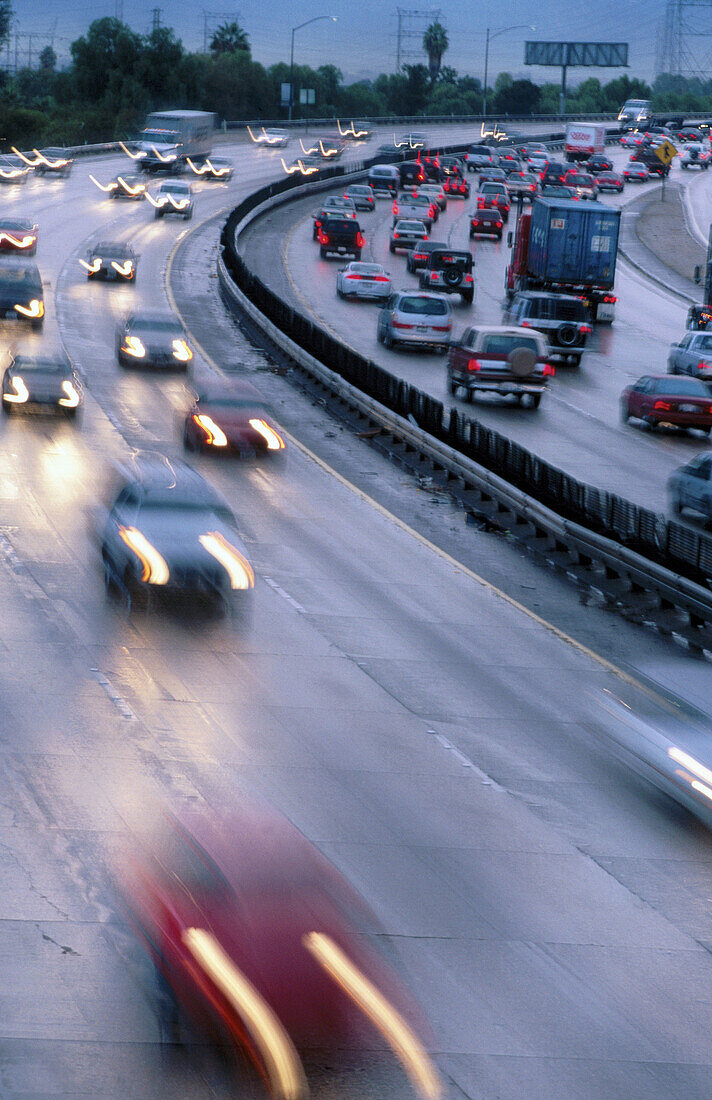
x=690, y=486
x=362, y=280
x=361, y=196
x=417, y=319
x=434, y=192
x=406, y=233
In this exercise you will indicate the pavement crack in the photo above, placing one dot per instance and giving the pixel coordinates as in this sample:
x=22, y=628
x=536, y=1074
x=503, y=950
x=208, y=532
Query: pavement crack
x=61, y=946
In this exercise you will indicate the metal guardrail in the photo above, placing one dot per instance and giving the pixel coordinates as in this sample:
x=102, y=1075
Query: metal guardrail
x=413, y=120
x=653, y=569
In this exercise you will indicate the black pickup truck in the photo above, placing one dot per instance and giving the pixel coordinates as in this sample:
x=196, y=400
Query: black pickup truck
x=341, y=236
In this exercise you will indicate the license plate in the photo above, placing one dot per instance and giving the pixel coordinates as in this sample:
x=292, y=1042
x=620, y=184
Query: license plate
x=604, y=313
x=11, y=314
x=422, y=328
x=341, y=248
x=689, y=409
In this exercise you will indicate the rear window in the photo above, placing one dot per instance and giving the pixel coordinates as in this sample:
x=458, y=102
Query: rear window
x=564, y=311
x=685, y=387
x=461, y=260
x=580, y=180
x=340, y=225
x=423, y=307
x=501, y=344
x=703, y=343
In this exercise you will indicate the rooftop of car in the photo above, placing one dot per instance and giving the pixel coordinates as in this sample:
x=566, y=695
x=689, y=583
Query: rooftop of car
x=20, y=272
x=16, y=223
x=44, y=364
x=164, y=478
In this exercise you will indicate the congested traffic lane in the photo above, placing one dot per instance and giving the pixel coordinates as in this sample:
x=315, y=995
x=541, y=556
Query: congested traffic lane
x=324, y=704
x=578, y=425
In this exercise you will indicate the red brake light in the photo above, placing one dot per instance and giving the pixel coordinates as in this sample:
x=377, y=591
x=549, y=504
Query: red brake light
x=586, y=328
x=440, y=328
x=703, y=366
x=549, y=370
x=399, y=324
x=323, y=238
x=474, y=364
x=353, y=276
x=610, y=298
x=380, y=278
x=396, y=236
x=468, y=278
x=498, y=224
x=526, y=324
x=360, y=242
x=663, y=405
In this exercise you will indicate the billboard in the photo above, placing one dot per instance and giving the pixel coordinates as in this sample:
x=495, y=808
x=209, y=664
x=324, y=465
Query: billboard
x=585, y=54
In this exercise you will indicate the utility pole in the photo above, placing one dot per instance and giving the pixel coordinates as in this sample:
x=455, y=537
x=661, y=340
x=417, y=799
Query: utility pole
x=156, y=13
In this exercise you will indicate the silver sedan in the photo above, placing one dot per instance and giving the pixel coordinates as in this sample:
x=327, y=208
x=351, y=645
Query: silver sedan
x=361, y=280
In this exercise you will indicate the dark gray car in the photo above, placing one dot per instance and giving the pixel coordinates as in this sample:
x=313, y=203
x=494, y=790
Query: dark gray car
x=692, y=355
x=152, y=340
x=561, y=317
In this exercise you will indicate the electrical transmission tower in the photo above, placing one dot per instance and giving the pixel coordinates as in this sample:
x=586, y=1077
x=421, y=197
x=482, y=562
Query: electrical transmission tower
x=412, y=25
x=214, y=19
x=685, y=39
x=156, y=14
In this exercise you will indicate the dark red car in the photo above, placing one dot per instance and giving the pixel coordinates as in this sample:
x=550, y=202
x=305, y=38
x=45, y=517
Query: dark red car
x=230, y=418
x=456, y=187
x=486, y=223
x=490, y=197
x=668, y=399
x=260, y=945
x=597, y=164
x=610, y=181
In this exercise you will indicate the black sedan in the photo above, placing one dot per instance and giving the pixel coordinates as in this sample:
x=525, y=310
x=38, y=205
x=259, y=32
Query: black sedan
x=21, y=293
x=152, y=340
x=111, y=260
x=486, y=223
x=231, y=419
x=46, y=384
x=169, y=532
x=597, y=163
x=52, y=162
x=128, y=187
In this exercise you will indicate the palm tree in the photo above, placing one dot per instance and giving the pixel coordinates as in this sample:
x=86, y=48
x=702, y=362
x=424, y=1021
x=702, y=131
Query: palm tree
x=435, y=43
x=229, y=38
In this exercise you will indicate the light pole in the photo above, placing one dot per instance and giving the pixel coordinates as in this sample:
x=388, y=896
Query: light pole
x=291, y=58
x=517, y=27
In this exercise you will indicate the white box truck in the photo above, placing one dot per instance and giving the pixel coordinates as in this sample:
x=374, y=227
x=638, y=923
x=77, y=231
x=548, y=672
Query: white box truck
x=583, y=139
x=169, y=137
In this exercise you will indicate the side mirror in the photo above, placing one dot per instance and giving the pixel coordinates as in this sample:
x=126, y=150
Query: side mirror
x=697, y=276
x=510, y=239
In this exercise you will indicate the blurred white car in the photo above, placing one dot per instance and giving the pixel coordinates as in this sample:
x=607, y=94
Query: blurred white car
x=362, y=280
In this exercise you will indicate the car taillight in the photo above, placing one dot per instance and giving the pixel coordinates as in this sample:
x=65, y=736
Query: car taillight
x=396, y=236
x=380, y=278
x=549, y=370
x=440, y=328
x=352, y=276
x=610, y=298
x=526, y=324
x=586, y=328
x=323, y=238
x=498, y=225
x=474, y=364
x=435, y=275
x=468, y=278
x=360, y=240
x=663, y=405
x=399, y=324
x=703, y=366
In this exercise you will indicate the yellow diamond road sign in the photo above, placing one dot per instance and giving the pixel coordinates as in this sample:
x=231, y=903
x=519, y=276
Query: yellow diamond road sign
x=666, y=152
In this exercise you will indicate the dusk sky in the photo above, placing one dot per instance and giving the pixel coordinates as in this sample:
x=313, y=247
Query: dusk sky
x=363, y=41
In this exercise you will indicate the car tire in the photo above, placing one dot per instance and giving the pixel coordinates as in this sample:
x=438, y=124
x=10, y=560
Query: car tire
x=534, y=400
x=357, y=255
x=468, y=297
x=339, y=291
x=391, y=247
x=188, y=441
x=157, y=214
x=189, y=215
x=111, y=586
x=36, y=326
x=387, y=340
x=322, y=253
x=472, y=233
x=7, y=408
x=675, y=506
x=453, y=386
x=625, y=415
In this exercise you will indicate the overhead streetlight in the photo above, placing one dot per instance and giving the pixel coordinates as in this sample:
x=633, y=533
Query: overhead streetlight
x=291, y=59
x=505, y=30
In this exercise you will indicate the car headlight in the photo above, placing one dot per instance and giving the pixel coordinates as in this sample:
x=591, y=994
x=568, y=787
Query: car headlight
x=72, y=397
x=159, y=201
x=92, y=267
x=125, y=269
x=214, y=436
x=21, y=393
x=181, y=351
x=273, y=440
x=106, y=189
x=133, y=346
x=18, y=242
x=235, y=564
x=34, y=309
x=155, y=569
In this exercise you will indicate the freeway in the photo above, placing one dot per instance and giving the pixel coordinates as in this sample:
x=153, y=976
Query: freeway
x=435, y=739
x=578, y=426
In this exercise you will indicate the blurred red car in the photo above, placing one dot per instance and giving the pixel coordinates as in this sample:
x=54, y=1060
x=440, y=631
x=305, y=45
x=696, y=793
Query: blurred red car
x=230, y=418
x=610, y=181
x=260, y=943
x=668, y=399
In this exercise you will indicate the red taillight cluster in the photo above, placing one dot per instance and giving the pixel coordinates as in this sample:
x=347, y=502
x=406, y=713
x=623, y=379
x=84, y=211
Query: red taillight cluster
x=703, y=366
x=586, y=328
x=663, y=406
x=323, y=238
x=360, y=240
x=526, y=324
x=396, y=236
x=474, y=364
x=379, y=278
x=610, y=298
x=468, y=278
x=549, y=370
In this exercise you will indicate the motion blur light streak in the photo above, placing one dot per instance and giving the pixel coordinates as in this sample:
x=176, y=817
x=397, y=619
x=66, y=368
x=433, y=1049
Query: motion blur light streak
x=215, y=436
x=181, y=351
x=72, y=399
x=389, y=1022
x=691, y=764
x=124, y=269
x=17, y=242
x=92, y=267
x=308, y=152
x=281, y=1060
x=179, y=204
x=201, y=169
x=273, y=440
x=35, y=308
x=21, y=393
x=13, y=173
x=134, y=156
x=238, y=568
x=155, y=570
x=306, y=170
x=133, y=346
x=697, y=786
x=109, y=186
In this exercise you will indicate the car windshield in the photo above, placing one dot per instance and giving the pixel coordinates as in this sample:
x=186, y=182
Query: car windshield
x=41, y=366
x=356, y=190
x=580, y=180
x=423, y=306
x=8, y=224
x=20, y=276
x=155, y=324
x=690, y=387
x=502, y=344
x=410, y=227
